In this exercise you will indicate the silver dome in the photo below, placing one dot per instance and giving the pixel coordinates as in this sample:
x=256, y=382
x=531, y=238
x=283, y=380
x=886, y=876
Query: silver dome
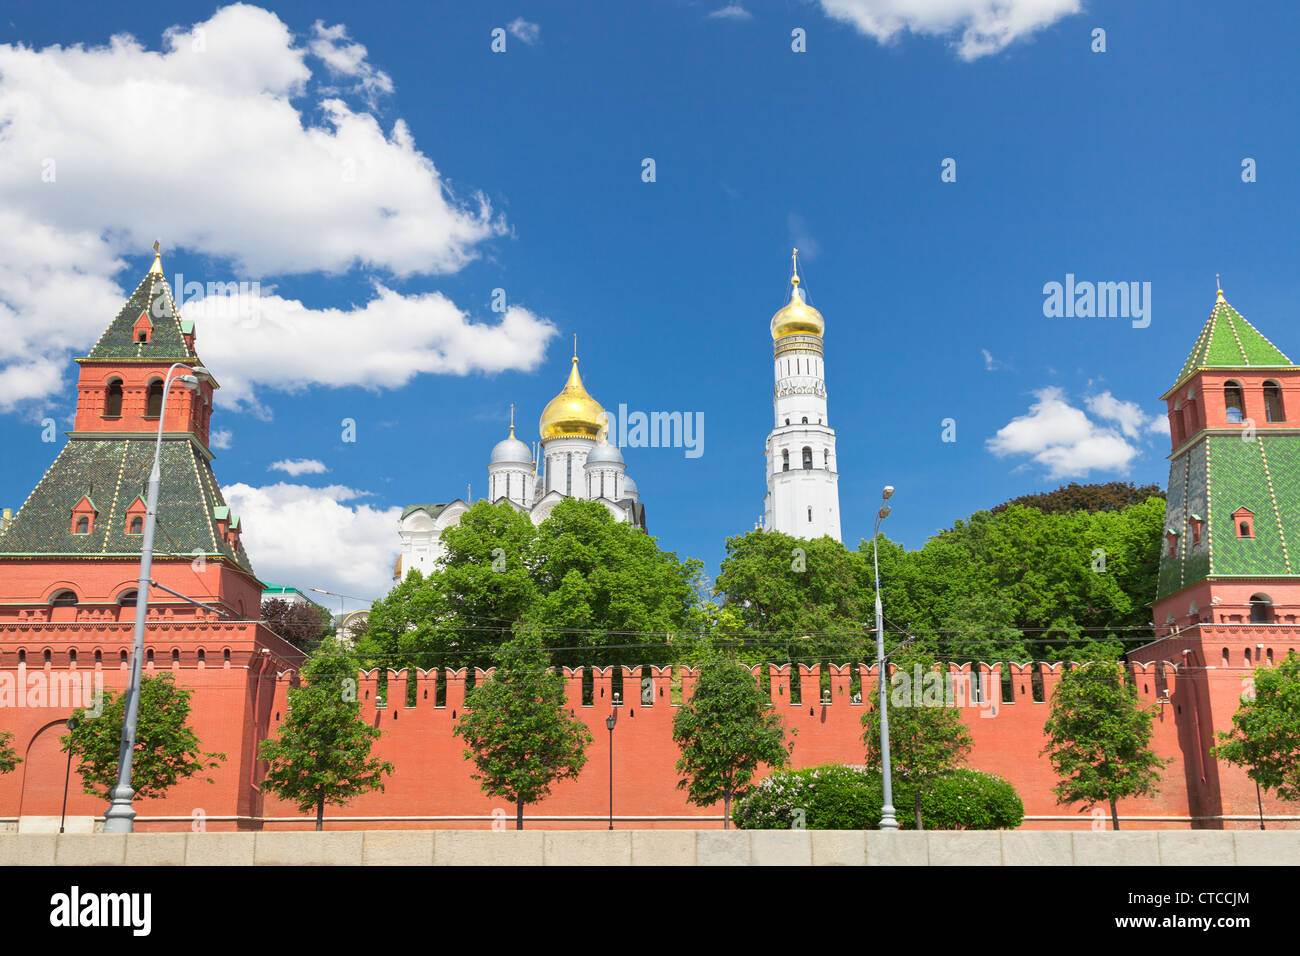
x=604, y=454
x=511, y=451
x=629, y=486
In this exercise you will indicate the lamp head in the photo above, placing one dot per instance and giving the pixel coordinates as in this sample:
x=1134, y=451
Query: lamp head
x=888, y=492
x=884, y=511
x=189, y=381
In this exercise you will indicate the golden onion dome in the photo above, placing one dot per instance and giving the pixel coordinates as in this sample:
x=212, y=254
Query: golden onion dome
x=798, y=317
x=573, y=413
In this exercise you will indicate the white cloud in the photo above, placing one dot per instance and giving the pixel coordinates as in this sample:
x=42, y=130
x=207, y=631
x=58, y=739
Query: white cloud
x=733, y=11
x=345, y=58
x=221, y=439
x=382, y=344
x=802, y=236
x=224, y=143
x=298, y=466
x=990, y=363
x=1063, y=439
x=521, y=29
x=1130, y=418
x=979, y=27
x=317, y=537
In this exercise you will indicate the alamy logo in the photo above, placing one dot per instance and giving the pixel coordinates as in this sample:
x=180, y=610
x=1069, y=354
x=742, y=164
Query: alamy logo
x=64, y=690
x=1102, y=300
x=74, y=909
x=658, y=430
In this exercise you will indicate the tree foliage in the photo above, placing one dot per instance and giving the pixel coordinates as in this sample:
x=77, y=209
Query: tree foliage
x=301, y=623
x=1265, y=735
x=1099, y=739
x=925, y=740
x=323, y=752
x=517, y=727
x=725, y=731
x=1111, y=496
x=601, y=591
x=166, y=747
x=8, y=758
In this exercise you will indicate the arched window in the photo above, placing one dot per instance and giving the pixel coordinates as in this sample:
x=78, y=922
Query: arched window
x=83, y=525
x=154, y=399
x=785, y=459
x=1274, y=410
x=128, y=598
x=826, y=458
x=136, y=525
x=807, y=457
x=1261, y=609
x=64, y=599
x=1233, y=401
x=113, y=399
x=810, y=514
x=805, y=420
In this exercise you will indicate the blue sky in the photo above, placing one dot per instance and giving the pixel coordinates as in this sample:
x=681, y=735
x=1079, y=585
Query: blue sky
x=380, y=195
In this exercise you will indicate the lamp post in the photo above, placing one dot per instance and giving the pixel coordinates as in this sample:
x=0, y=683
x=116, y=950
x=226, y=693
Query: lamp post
x=887, y=819
x=120, y=816
x=67, y=776
x=610, y=721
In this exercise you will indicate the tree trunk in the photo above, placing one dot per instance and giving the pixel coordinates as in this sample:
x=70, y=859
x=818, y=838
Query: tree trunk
x=519, y=814
x=726, y=809
x=320, y=808
x=917, y=807
x=1114, y=813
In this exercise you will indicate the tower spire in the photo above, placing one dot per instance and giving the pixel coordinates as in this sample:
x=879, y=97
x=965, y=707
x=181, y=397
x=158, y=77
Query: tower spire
x=512, y=419
x=1218, y=285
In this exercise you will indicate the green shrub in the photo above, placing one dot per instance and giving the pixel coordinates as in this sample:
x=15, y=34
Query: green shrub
x=840, y=797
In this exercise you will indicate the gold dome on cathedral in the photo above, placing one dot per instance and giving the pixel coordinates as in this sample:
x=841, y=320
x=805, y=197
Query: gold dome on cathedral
x=798, y=317
x=573, y=413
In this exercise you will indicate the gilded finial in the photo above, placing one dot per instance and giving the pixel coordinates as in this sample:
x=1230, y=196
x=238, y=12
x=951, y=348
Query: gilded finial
x=1219, y=286
x=156, y=268
x=512, y=419
x=575, y=348
x=794, y=267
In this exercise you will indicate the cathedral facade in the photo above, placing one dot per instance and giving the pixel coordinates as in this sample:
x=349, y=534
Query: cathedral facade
x=574, y=459
x=803, y=497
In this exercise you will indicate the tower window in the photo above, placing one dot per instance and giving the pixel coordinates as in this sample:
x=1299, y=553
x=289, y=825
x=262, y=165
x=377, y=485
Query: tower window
x=128, y=598
x=83, y=525
x=1274, y=410
x=1244, y=519
x=810, y=514
x=826, y=458
x=136, y=526
x=64, y=599
x=1261, y=609
x=787, y=421
x=807, y=457
x=805, y=419
x=785, y=459
x=1233, y=402
x=113, y=399
x=154, y=399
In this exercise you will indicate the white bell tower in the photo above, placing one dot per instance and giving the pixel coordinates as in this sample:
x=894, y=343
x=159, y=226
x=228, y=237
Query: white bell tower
x=803, y=497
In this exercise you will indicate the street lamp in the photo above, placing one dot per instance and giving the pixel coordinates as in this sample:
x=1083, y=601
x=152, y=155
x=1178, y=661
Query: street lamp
x=887, y=819
x=120, y=817
x=71, y=725
x=610, y=721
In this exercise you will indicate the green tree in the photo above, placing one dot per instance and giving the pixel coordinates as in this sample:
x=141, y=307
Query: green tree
x=800, y=600
x=1265, y=735
x=1111, y=496
x=518, y=729
x=323, y=752
x=926, y=738
x=725, y=730
x=592, y=584
x=166, y=747
x=1099, y=739
x=8, y=759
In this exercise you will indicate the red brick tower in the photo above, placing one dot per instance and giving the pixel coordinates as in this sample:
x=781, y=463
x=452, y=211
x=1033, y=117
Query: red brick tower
x=69, y=563
x=1228, y=597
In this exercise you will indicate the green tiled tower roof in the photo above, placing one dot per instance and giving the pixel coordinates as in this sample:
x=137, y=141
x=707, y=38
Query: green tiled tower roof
x=1228, y=341
x=116, y=470
x=1224, y=471
x=167, y=343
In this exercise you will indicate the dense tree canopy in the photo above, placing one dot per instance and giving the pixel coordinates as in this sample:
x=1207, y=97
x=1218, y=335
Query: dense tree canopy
x=1013, y=584
x=1111, y=496
x=600, y=591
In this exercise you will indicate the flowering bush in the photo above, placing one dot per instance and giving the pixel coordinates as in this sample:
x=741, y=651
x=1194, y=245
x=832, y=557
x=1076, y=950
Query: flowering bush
x=842, y=797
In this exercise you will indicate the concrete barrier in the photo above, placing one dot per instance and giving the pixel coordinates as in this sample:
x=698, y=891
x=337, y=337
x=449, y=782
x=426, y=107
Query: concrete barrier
x=657, y=848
